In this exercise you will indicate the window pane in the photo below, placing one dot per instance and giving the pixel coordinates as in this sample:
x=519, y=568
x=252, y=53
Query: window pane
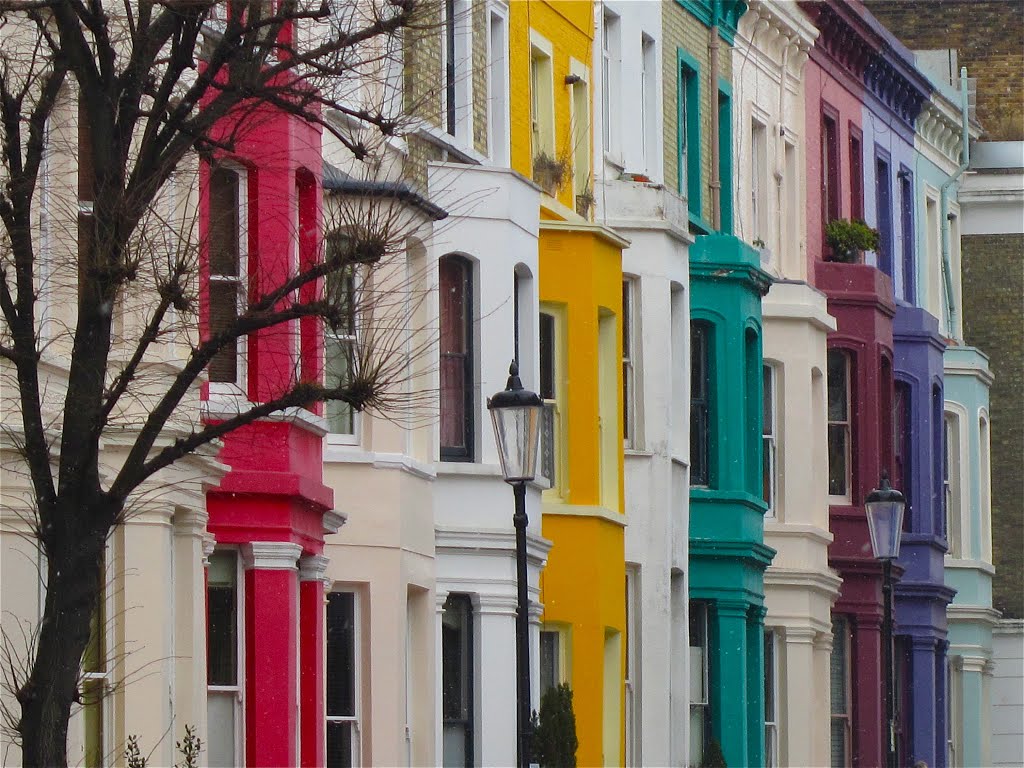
x=769, y=677
x=92, y=712
x=339, y=414
x=223, y=314
x=547, y=356
x=222, y=620
x=549, y=661
x=837, y=435
x=456, y=358
x=339, y=745
x=220, y=712
x=837, y=667
x=768, y=396
x=224, y=221
x=341, y=650
x=457, y=681
x=838, y=743
x=837, y=384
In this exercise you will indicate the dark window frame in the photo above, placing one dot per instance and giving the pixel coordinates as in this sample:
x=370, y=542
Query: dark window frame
x=905, y=178
x=856, y=172
x=831, y=176
x=883, y=210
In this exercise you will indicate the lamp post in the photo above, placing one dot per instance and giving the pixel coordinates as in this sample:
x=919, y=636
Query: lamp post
x=884, y=507
x=515, y=413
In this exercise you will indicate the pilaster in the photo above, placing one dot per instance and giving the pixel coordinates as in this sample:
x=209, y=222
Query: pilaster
x=312, y=648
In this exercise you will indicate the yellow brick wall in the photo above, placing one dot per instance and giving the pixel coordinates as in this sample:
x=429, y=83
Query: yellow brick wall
x=480, y=72
x=681, y=30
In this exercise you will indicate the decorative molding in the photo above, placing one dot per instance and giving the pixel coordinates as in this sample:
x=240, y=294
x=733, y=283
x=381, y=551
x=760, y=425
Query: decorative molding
x=779, y=26
x=209, y=544
x=845, y=44
x=271, y=556
x=333, y=520
x=313, y=568
x=898, y=86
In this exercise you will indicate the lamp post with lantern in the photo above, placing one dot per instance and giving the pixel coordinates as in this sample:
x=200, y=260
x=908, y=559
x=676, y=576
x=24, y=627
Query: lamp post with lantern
x=884, y=507
x=516, y=415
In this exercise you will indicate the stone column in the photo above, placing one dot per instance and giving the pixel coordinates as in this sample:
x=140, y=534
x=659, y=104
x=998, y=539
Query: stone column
x=729, y=694
x=190, y=561
x=271, y=653
x=312, y=653
x=804, y=721
x=495, y=652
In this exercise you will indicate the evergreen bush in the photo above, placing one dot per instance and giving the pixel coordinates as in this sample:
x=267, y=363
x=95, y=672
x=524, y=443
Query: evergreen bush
x=554, y=737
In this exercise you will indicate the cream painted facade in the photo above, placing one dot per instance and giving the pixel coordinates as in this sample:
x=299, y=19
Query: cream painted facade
x=631, y=198
x=152, y=661
x=800, y=588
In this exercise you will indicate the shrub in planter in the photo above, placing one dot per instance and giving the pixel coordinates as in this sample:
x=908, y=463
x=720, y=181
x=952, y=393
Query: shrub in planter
x=849, y=239
x=554, y=735
x=548, y=172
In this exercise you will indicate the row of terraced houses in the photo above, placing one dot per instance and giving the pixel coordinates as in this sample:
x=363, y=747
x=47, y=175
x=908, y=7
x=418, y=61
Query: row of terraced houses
x=629, y=198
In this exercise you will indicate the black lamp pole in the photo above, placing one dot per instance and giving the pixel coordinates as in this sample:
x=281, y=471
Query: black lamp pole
x=515, y=413
x=884, y=507
x=890, y=667
x=523, y=724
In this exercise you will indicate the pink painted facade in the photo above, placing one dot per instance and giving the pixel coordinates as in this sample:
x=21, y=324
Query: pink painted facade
x=272, y=507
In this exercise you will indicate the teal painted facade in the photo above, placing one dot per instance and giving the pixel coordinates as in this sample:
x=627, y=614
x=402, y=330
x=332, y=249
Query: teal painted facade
x=727, y=551
x=969, y=567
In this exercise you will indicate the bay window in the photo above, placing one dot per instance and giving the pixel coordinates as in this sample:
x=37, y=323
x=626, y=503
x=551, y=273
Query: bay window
x=340, y=342
x=458, y=424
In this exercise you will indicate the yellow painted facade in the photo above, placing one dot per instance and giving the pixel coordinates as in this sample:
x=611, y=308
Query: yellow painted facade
x=583, y=584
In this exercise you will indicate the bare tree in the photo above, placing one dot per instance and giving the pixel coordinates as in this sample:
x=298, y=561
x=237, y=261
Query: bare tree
x=156, y=82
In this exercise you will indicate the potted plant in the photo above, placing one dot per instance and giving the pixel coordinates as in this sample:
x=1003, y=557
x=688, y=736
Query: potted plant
x=849, y=239
x=585, y=201
x=549, y=173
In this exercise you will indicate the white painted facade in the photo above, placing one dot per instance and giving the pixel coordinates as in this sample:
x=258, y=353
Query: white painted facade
x=631, y=199
x=771, y=48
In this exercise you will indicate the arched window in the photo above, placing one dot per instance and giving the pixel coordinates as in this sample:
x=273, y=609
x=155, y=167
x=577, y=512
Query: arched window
x=456, y=350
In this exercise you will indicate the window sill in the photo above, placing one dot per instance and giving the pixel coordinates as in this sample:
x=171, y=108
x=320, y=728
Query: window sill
x=637, y=452
x=228, y=404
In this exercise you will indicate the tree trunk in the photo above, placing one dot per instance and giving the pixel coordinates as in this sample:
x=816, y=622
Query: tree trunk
x=73, y=585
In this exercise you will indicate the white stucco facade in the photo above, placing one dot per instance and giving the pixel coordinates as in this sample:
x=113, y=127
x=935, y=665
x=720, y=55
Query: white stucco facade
x=632, y=200
x=800, y=588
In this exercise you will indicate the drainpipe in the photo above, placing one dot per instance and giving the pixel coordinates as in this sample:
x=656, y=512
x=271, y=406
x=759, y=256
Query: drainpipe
x=716, y=181
x=947, y=271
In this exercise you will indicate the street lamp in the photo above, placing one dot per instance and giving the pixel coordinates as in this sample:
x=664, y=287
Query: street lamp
x=516, y=413
x=884, y=508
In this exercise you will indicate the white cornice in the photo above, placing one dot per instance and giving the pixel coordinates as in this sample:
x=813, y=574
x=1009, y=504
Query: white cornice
x=776, y=26
x=271, y=556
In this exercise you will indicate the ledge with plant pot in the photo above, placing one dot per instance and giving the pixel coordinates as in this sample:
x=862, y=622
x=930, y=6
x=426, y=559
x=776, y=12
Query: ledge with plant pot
x=848, y=239
x=549, y=173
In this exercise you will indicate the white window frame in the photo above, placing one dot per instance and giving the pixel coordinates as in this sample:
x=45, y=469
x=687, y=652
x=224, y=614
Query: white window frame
x=611, y=91
x=847, y=423
x=352, y=340
x=985, y=483
x=630, y=404
x=238, y=388
x=561, y=634
x=239, y=688
x=632, y=681
x=847, y=715
x=955, y=481
x=699, y=674
x=498, y=119
x=759, y=222
x=556, y=409
x=649, y=103
x=771, y=727
x=770, y=438
x=357, y=663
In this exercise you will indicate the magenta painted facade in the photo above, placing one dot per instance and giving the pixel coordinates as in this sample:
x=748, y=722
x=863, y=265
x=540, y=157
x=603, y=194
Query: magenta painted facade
x=271, y=506
x=860, y=297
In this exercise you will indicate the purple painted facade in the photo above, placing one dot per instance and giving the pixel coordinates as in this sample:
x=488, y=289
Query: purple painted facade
x=921, y=595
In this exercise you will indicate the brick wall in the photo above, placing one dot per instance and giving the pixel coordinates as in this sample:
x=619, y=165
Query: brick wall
x=993, y=280
x=682, y=30
x=480, y=71
x=989, y=38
